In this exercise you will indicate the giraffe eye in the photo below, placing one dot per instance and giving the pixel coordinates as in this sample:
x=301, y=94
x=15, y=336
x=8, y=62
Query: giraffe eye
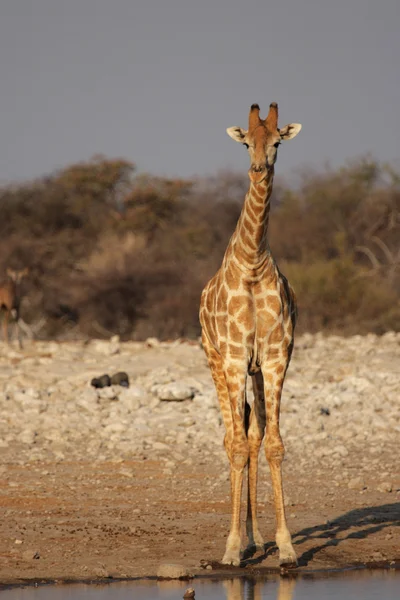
x=246, y=145
x=277, y=144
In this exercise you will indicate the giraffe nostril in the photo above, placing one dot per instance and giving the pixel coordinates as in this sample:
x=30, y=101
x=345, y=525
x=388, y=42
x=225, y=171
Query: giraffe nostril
x=257, y=168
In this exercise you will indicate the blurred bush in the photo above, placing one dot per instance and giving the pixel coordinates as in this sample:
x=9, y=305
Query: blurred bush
x=113, y=252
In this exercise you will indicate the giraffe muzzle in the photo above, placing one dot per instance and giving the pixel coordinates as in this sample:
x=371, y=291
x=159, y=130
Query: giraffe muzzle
x=257, y=173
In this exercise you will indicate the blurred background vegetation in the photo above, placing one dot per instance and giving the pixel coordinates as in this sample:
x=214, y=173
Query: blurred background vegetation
x=111, y=251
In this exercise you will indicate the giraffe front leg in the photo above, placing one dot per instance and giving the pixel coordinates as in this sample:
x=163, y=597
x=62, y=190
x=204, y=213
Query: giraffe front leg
x=255, y=435
x=274, y=451
x=238, y=454
x=232, y=552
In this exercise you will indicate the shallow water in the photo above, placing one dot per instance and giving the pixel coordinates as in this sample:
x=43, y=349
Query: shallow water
x=376, y=585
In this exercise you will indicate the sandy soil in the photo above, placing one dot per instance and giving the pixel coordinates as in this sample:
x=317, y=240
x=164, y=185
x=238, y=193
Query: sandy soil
x=77, y=516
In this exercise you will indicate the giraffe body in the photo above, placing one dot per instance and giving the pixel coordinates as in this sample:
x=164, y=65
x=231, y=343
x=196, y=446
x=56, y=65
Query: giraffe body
x=248, y=314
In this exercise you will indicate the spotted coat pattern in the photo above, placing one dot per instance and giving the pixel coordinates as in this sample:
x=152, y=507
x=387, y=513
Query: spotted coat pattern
x=248, y=315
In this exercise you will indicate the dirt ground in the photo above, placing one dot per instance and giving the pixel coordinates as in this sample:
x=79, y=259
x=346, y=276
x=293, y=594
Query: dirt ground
x=79, y=518
x=85, y=521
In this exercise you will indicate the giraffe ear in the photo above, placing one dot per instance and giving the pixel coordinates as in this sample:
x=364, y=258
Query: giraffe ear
x=290, y=131
x=237, y=133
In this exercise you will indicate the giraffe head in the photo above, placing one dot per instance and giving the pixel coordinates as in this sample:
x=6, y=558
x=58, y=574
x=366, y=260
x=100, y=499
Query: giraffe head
x=262, y=139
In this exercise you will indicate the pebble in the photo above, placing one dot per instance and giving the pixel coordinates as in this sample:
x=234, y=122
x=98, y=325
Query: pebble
x=30, y=555
x=175, y=390
x=356, y=483
x=385, y=486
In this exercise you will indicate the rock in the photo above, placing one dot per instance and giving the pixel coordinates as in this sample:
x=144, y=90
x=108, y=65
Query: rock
x=189, y=594
x=30, y=555
x=175, y=390
x=120, y=378
x=356, y=483
x=108, y=393
x=101, y=382
x=160, y=446
x=385, y=486
x=101, y=571
x=172, y=571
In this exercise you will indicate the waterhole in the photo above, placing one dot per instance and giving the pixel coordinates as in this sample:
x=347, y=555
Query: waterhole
x=375, y=585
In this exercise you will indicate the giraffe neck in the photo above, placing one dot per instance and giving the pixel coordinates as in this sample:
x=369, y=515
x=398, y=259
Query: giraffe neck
x=249, y=244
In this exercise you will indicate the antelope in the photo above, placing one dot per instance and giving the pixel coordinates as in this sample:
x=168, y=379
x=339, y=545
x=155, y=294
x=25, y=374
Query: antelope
x=10, y=301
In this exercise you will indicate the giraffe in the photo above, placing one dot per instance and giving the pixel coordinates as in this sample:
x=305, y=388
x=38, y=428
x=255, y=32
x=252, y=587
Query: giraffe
x=248, y=313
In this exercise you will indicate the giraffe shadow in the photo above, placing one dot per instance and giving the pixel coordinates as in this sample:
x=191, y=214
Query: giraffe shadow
x=358, y=524
x=249, y=558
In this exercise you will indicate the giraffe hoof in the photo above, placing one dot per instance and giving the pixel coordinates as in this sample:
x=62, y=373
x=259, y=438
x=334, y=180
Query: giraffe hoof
x=288, y=559
x=231, y=557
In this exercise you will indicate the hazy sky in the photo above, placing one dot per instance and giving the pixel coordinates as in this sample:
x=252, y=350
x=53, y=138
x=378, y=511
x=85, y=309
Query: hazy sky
x=158, y=82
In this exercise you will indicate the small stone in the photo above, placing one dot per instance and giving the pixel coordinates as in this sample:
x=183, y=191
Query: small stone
x=18, y=542
x=159, y=446
x=172, y=571
x=120, y=378
x=209, y=567
x=101, y=382
x=385, y=486
x=30, y=555
x=356, y=483
x=203, y=563
x=101, y=571
x=189, y=594
x=176, y=390
x=109, y=393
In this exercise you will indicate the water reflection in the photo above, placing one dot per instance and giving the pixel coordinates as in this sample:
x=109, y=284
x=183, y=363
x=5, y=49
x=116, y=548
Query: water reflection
x=249, y=589
x=242, y=589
